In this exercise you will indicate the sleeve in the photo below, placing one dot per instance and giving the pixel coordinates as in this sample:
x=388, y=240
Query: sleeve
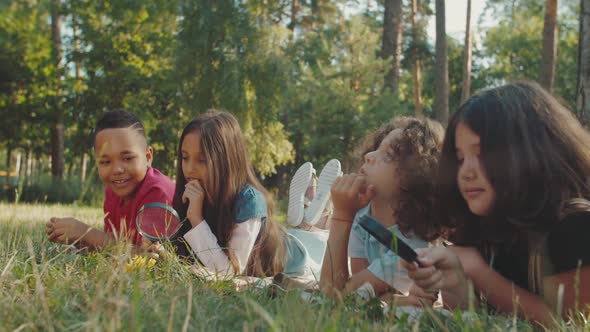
x=205, y=246
x=386, y=267
x=250, y=204
x=356, y=246
x=567, y=243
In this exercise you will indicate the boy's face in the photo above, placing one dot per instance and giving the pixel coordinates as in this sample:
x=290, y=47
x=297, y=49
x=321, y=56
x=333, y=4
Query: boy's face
x=472, y=179
x=379, y=170
x=122, y=159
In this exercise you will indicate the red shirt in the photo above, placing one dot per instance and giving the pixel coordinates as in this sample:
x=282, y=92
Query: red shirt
x=120, y=218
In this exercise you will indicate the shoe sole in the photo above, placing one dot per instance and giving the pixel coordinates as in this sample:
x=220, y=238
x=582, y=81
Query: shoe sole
x=329, y=173
x=297, y=188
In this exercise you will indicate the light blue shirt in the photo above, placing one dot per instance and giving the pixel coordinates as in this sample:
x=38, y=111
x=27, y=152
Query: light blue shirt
x=383, y=263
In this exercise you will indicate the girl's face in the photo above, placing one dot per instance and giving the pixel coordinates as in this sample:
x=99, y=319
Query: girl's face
x=122, y=159
x=194, y=164
x=379, y=169
x=472, y=180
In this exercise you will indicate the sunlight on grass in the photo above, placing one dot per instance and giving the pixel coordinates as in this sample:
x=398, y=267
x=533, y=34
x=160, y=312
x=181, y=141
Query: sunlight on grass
x=44, y=286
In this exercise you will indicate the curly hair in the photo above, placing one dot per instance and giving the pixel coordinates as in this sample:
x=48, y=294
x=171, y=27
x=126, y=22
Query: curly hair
x=415, y=154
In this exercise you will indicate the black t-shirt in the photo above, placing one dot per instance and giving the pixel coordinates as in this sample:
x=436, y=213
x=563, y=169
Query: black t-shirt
x=567, y=243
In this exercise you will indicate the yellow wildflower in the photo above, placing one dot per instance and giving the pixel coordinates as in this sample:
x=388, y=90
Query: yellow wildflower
x=138, y=262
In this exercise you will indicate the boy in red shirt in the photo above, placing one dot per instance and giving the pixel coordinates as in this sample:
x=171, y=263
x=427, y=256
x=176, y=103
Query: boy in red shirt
x=123, y=159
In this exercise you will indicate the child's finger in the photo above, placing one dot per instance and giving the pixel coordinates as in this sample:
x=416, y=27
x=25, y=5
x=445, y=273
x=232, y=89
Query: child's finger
x=425, y=257
x=438, y=256
x=195, y=185
x=184, y=197
x=55, y=235
x=410, y=266
x=352, y=178
x=52, y=222
x=336, y=184
x=359, y=183
x=431, y=282
x=370, y=192
x=194, y=190
x=419, y=292
x=422, y=273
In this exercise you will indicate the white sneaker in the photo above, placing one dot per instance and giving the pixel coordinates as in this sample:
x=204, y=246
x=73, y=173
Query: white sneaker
x=297, y=188
x=329, y=173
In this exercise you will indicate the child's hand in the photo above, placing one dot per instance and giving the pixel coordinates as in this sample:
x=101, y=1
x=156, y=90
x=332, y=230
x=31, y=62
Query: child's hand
x=194, y=194
x=66, y=230
x=471, y=260
x=349, y=194
x=416, y=297
x=158, y=251
x=442, y=270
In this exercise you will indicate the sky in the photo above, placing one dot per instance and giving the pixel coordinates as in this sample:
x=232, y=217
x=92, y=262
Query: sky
x=456, y=11
x=456, y=14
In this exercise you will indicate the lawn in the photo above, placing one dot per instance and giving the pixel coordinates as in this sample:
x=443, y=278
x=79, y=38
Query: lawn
x=50, y=287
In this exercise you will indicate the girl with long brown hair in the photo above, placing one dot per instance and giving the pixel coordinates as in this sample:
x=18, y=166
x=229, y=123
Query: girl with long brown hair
x=231, y=229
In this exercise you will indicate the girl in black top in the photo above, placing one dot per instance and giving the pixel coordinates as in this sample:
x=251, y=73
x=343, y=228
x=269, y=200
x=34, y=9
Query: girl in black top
x=513, y=190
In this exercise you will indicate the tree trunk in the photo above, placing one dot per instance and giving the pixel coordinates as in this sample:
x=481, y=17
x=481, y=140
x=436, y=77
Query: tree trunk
x=83, y=167
x=466, y=88
x=416, y=73
x=441, y=85
x=17, y=163
x=57, y=128
x=583, y=85
x=513, y=24
x=549, y=45
x=29, y=171
x=34, y=166
x=392, y=41
x=8, y=158
x=78, y=84
x=294, y=11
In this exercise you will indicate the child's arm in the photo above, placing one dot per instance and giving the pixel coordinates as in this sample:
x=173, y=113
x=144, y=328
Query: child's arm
x=361, y=275
x=500, y=292
x=205, y=244
x=443, y=270
x=70, y=230
x=334, y=279
x=334, y=273
x=206, y=247
x=349, y=194
x=576, y=290
x=380, y=274
x=506, y=297
x=358, y=264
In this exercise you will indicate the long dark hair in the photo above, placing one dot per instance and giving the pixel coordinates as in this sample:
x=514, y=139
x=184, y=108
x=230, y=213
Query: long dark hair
x=229, y=170
x=535, y=154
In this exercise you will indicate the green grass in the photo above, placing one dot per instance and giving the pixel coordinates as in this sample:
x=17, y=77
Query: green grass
x=50, y=287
